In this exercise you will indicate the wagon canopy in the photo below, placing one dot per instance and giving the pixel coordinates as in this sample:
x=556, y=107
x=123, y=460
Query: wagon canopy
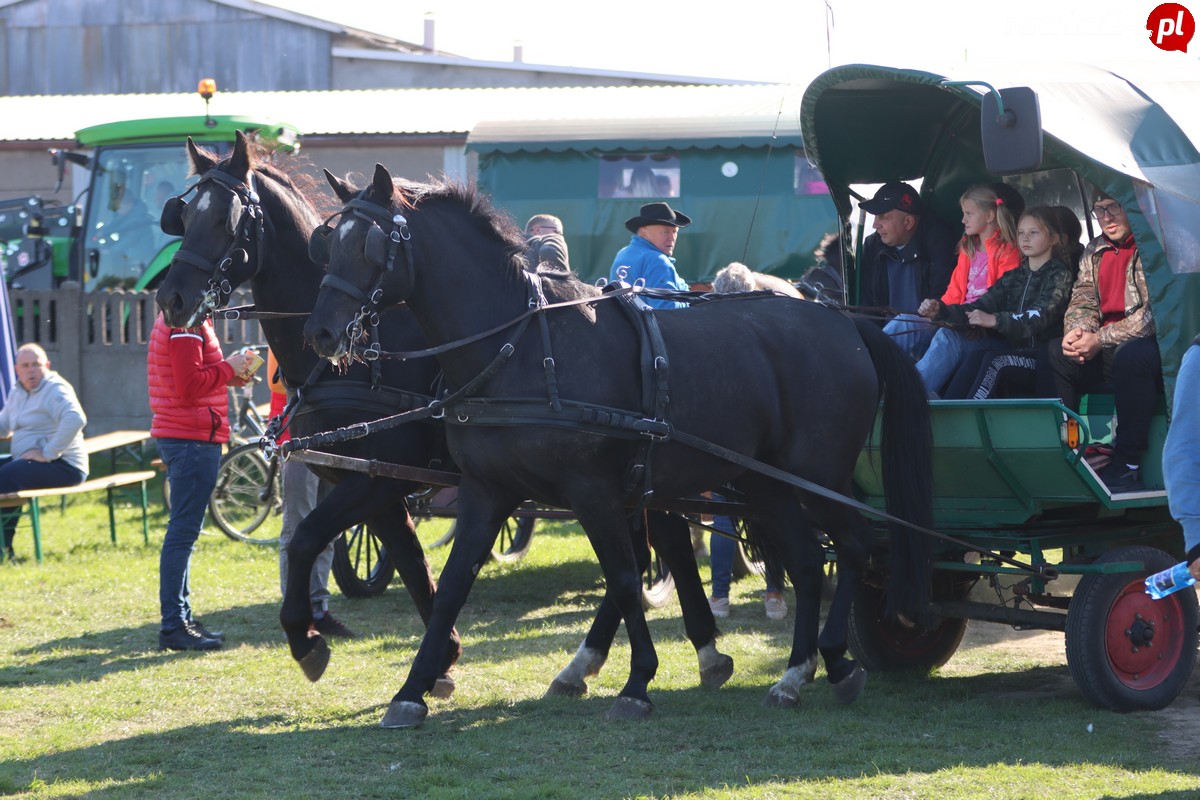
x=1134, y=135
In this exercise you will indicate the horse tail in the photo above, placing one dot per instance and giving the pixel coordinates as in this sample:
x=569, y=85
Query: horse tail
x=906, y=444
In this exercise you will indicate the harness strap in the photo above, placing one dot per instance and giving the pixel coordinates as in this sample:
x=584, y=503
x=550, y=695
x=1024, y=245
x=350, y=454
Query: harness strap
x=250, y=312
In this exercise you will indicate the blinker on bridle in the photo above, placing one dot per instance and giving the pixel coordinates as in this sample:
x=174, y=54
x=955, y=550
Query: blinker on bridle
x=244, y=210
x=379, y=250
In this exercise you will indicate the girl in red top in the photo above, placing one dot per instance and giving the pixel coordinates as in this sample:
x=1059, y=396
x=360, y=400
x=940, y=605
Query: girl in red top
x=988, y=250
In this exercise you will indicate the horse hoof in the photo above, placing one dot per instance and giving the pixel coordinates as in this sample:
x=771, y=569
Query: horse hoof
x=630, y=708
x=714, y=677
x=778, y=699
x=443, y=687
x=563, y=689
x=850, y=687
x=404, y=714
x=314, y=663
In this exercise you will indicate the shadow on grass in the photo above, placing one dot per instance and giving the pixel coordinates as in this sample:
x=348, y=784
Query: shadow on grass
x=696, y=741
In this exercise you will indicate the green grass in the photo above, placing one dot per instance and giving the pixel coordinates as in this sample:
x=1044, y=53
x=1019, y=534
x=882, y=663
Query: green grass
x=90, y=708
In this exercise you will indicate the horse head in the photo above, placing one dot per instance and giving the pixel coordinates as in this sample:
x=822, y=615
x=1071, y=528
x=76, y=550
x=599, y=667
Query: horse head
x=370, y=262
x=222, y=230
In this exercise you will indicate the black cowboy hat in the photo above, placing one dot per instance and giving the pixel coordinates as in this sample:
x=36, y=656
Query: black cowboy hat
x=658, y=214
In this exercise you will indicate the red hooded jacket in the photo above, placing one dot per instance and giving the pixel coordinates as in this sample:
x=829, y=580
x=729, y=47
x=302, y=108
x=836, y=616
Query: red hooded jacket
x=187, y=375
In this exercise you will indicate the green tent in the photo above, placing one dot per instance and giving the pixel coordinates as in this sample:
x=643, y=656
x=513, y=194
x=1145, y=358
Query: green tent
x=736, y=167
x=1135, y=136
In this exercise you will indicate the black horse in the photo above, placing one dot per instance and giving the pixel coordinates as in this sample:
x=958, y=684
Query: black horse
x=287, y=280
x=222, y=249
x=568, y=416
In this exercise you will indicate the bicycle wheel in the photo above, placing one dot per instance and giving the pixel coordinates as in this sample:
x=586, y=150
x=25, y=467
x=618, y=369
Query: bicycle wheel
x=248, y=490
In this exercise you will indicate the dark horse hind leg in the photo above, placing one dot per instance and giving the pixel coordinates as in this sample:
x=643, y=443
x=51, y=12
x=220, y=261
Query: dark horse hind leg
x=671, y=538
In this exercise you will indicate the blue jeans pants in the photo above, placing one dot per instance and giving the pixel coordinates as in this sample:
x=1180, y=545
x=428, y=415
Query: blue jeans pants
x=21, y=473
x=192, y=475
x=720, y=556
x=911, y=332
x=947, y=352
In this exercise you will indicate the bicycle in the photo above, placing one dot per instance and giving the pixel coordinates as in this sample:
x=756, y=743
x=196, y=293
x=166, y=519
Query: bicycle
x=248, y=488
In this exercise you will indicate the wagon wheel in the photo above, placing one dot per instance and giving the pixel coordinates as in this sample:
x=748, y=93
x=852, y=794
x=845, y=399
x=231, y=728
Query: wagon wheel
x=889, y=645
x=1127, y=651
x=361, y=565
x=515, y=537
x=746, y=561
x=512, y=543
x=657, y=585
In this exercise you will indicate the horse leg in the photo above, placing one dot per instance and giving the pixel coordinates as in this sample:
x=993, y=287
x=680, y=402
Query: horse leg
x=781, y=527
x=853, y=542
x=671, y=536
x=607, y=528
x=346, y=505
x=399, y=534
x=480, y=515
x=591, y=655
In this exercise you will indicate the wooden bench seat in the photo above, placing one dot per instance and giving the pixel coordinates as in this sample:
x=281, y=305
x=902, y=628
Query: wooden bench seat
x=107, y=484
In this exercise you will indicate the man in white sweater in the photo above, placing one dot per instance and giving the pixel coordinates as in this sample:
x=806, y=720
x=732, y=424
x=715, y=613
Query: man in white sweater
x=45, y=421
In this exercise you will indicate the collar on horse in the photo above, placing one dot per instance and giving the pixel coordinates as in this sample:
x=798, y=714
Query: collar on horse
x=245, y=211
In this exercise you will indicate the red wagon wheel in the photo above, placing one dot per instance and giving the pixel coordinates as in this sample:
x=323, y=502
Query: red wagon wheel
x=1127, y=651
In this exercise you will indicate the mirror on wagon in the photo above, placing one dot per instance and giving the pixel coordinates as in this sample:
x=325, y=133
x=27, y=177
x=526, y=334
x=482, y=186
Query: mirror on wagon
x=1010, y=122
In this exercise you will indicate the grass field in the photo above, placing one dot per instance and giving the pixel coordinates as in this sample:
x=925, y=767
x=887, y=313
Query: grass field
x=90, y=708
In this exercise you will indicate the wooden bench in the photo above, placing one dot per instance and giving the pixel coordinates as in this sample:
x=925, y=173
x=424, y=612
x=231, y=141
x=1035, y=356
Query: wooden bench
x=113, y=442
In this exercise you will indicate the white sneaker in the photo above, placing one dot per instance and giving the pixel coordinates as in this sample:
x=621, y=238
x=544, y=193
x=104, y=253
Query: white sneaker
x=775, y=605
x=719, y=606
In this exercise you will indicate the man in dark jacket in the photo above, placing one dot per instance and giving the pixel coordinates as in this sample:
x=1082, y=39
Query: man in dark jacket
x=546, y=245
x=908, y=258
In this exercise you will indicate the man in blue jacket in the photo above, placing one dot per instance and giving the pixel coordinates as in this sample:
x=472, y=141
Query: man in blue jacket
x=647, y=257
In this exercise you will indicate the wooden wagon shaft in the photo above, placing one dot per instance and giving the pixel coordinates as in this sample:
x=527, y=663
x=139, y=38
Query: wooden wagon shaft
x=384, y=469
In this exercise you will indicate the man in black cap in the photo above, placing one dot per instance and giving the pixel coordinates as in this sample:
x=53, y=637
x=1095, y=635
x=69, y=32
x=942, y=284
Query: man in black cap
x=909, y=257
x=647, y=257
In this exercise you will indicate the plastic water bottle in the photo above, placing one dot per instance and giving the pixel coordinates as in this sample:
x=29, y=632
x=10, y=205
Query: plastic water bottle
x=1169, y=581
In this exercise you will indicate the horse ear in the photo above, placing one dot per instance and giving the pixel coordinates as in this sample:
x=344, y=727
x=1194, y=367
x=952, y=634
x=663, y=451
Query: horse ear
x=341, y=188
x=202, y=160
x=382, y=182
x=239, y=162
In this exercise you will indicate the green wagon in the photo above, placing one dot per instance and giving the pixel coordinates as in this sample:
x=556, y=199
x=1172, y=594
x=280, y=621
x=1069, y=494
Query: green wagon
x=1043, y=544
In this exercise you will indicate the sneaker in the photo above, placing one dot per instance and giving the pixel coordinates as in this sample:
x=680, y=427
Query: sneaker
x=1120, y=478
x=205, y=632
x=719, y=606
x=775, y=605
x=185, y=637
x=329, y=625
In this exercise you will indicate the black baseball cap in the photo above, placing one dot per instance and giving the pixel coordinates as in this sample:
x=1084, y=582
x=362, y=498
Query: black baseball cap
x=893, y=195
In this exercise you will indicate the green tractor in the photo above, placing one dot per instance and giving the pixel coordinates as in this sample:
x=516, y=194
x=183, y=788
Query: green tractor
x=109, y=238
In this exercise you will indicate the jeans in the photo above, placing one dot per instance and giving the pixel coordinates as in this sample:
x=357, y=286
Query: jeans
x=22, y=473
x=911, y=332
x=300, y=485
x=720, y=552
x=947, y=352
x=192, y=476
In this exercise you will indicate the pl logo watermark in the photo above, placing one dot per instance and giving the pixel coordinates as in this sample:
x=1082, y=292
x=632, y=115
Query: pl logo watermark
x=1171, y=27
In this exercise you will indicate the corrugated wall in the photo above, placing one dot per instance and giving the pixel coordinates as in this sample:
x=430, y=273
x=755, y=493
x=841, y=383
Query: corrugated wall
x=103, y=47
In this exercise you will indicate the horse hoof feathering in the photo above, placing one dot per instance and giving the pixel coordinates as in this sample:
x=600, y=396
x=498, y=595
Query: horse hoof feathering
x=630, y=708
x=404, y=714
x=443, y=687
x=786, y=693
x=313, y=664
x=849, y=688
x=715, y=667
